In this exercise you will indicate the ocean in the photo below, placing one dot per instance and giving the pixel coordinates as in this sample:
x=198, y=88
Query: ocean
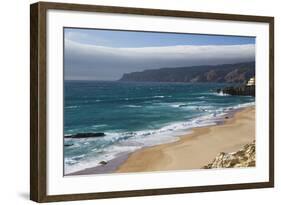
x=134, y=115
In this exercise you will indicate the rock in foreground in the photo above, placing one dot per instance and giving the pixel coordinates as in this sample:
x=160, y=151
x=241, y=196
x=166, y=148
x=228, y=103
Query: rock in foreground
x=245, y=157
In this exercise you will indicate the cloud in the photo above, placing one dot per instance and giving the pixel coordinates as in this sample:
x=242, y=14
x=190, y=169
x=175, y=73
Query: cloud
x=85, y=38
x=91, y=62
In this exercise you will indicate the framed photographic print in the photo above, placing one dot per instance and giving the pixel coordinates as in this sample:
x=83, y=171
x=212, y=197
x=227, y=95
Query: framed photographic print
x=134, y=102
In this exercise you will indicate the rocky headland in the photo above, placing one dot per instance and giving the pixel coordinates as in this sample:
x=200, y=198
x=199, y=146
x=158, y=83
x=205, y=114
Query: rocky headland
x=225, y=73
x=241, y=90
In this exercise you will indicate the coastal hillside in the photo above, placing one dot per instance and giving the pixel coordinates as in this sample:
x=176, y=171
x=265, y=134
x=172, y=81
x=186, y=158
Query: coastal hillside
x=226, y=73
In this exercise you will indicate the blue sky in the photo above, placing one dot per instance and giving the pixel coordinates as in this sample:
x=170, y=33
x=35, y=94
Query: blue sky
x=131, y=39
x=91, y=54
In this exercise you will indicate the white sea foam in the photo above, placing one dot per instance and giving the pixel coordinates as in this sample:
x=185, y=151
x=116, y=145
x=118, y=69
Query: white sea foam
x=191, y=106
x=244, y=105
x=69, y=161
x=132, y=106
x=75, y=164
x=98, y=126
x=201, y=97
x=221, y=94
x=176, y=105
x=72, y=107
x=78, y=157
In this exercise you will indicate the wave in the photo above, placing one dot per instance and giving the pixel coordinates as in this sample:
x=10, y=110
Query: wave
x=72, y=107
x=147, y=97
x=201, y=97
x=98, y=126
x=190, y=106
x=221, y=94
x=178, y=105
x=131, y=106
x=244, y=105
x=158, y=96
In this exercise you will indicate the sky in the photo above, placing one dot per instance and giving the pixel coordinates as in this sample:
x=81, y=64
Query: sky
x=94, y=54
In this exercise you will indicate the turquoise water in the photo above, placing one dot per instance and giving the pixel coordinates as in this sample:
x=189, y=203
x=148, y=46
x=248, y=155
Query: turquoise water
x=135, y=115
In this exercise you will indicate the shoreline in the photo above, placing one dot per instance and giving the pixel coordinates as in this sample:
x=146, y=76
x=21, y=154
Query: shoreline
x=165, y=156
x=196, y=149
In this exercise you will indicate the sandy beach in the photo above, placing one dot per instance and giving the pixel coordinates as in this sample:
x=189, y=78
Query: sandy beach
x=195, y=150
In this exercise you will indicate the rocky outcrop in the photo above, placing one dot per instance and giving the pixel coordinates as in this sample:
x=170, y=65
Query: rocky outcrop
x=245, y=157
x=86, y=135
x=242, y=90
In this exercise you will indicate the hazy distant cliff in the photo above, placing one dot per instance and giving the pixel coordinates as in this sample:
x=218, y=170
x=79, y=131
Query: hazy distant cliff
x=230, y=73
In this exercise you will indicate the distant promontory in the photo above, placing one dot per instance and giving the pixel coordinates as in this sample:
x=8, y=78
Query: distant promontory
x=225, y=73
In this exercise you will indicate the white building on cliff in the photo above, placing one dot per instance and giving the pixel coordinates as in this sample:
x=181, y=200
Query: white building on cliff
x=251, y=82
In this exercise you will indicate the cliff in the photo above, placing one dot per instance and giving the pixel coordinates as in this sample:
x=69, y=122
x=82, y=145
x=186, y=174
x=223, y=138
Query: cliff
x=228, y=73
x=245, y=157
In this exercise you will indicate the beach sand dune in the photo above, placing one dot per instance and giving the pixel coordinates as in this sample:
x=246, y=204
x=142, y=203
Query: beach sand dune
x=195, y=150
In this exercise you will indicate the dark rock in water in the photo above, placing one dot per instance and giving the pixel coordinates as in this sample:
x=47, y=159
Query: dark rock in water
x=183, y=105
x=226, y=117
x=242, y=90
x=103, y=162
x=68, y=145
x=86, y=135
